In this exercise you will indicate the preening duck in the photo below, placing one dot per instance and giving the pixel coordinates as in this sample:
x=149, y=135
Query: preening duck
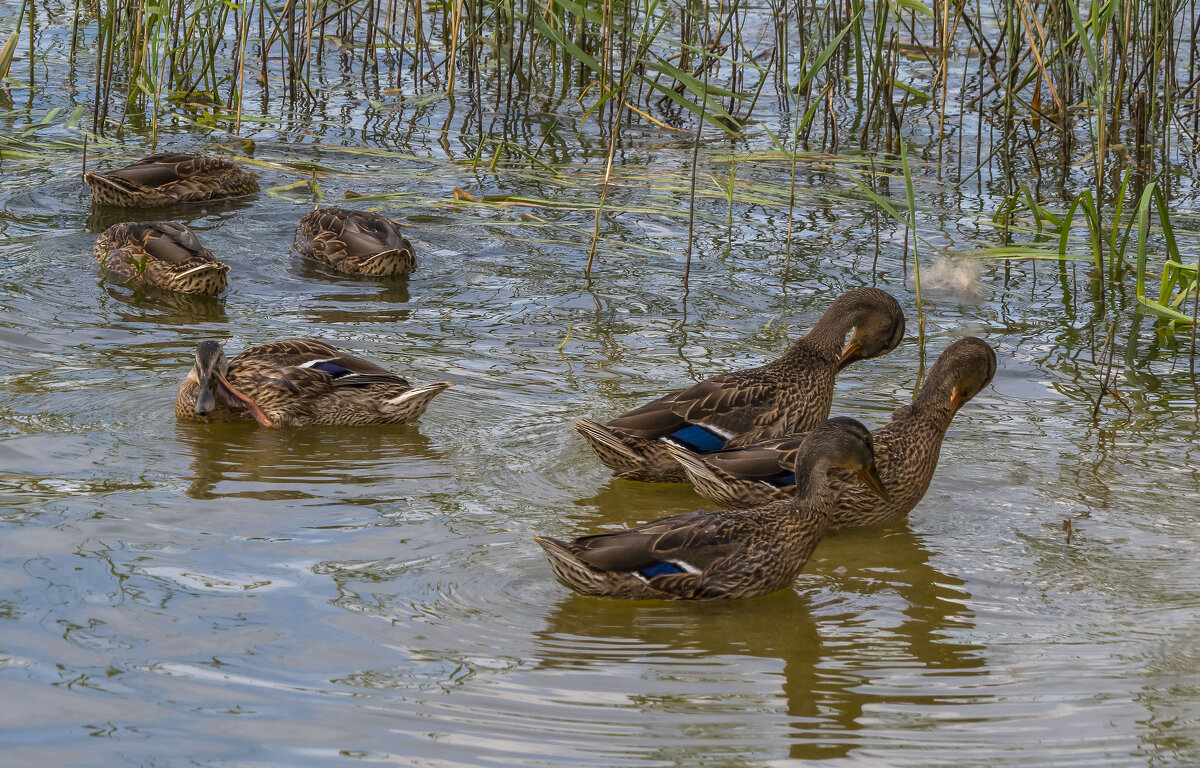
x=906, y=449
x=169, y=178
x=160, y=254
x=296, y=382
x=785, y=397
x=709, y=555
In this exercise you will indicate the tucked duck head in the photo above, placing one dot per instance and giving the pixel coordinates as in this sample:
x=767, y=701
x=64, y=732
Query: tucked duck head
x=870, y=323
x=961, y=372
x=210, y=370
x=843, y=443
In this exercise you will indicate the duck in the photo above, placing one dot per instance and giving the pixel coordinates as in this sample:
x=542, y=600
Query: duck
x=722, y=555
x=160, y=254
x=355, y=242
x=297, y=382
x=906, y=449
x=787, y=396
x=168, y=178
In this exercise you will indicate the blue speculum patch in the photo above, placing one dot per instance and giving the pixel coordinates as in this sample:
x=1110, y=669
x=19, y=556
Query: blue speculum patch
x=698, y=439
x=333, y=369
x=782, y=479
x=660, y=569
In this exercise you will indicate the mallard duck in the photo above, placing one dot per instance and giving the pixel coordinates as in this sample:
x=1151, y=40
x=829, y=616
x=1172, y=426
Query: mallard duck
x=296, y=382
x=708, y=555
x=906, y=449
x=790, y=395
x=169, y=178
x=160, y=254
x=355, y=242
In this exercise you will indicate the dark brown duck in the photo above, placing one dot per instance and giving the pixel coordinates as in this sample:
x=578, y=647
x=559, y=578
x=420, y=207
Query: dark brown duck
x=355, y=242
x=708, y=555
x=296, y=382
x=159, y=254
x=906, y=449
x=785, y=397
x=168, y=179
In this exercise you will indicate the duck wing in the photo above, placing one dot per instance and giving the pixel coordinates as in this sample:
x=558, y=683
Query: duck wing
x=161, y=169
x=351, y=371
x=303, y=363
x=695, y=538
x=366, y=233
x=169, y=242
x=360, y=234
x=759, y=461
x=731, y=404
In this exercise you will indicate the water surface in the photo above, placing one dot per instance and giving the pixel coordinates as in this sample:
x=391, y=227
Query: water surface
x=219, y=595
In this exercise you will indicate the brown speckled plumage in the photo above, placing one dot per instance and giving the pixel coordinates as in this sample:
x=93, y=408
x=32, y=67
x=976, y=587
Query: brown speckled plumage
x=296, y=382
x=160, y=254
x=906, y=448
x=169, y=178
x=720, y=555
x=790, y=395
x=355, y=242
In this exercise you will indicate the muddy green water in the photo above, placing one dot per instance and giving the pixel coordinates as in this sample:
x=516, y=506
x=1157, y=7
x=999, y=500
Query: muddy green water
x=225, y=595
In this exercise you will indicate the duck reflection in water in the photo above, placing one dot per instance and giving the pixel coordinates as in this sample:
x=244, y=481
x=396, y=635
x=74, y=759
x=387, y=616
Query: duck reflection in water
x=212, y=212
x=362, y=464
x=359, y=288
x=356, y=299
x=156, y=306
x=868, y=608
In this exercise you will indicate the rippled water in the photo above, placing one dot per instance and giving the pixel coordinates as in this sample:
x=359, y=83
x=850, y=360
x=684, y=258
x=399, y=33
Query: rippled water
x=189, y=594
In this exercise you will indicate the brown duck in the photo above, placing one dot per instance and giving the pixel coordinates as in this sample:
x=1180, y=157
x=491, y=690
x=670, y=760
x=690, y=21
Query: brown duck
x=159, y=254
x=296, y=382
x=788, y=396
x=355, y=242
x=710, y=555
x=906, y=449
x=169, y=178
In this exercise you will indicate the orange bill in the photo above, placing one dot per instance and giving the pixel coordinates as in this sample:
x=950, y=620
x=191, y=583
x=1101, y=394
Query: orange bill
x=956, y=400
x=870, y=475
x=848, y=352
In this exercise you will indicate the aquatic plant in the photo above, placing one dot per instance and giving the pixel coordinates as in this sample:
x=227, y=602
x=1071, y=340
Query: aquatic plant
x=1080, y=112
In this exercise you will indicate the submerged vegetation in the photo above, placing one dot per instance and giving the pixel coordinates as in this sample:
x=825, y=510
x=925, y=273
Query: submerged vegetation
x=1080, y=118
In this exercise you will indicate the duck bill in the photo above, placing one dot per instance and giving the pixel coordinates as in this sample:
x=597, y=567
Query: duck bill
x=956, y=401
x=234, y=397
x=870, y=476
x=205, y=401
x=848, y=354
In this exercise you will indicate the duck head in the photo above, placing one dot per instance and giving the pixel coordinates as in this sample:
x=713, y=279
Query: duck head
x=961, y=372
x=843, y=443
x=210, y=369
x=870, y=323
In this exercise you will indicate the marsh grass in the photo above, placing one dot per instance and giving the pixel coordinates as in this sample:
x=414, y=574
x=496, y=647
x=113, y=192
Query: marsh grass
x=1080, y=112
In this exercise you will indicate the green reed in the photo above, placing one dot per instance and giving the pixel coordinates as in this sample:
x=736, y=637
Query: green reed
x=1096, y=98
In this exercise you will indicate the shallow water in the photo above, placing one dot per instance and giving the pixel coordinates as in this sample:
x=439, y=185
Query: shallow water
x=189, y=594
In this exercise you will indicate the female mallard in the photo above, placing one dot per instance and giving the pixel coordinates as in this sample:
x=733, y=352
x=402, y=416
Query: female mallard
x=296, y=382
x=160, y=254
x=355, y=242
x=722, y=555
x=790, y=395
x=169, y=178
x=906, y=449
